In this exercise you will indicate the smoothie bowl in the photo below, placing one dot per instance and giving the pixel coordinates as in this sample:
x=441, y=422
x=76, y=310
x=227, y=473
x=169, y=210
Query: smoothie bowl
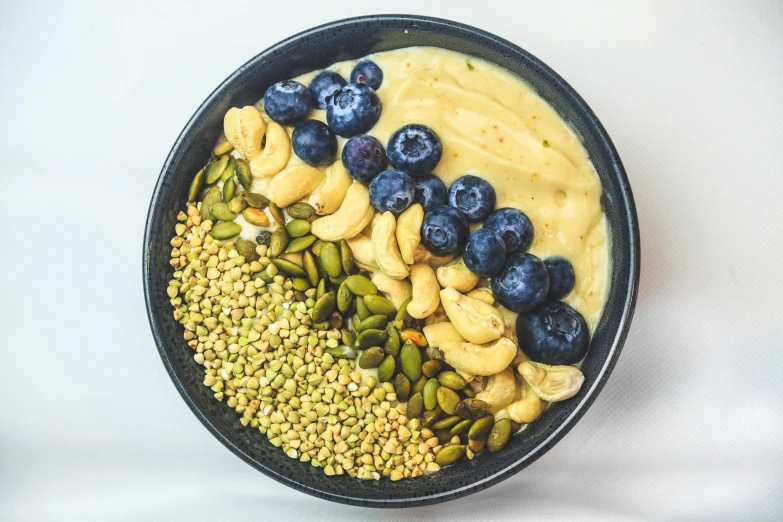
x=391, y=260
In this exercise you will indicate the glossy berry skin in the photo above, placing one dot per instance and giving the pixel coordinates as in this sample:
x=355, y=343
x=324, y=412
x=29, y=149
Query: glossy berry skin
x=315, y=143
x=430, y=192
x=367, y=73
x=324, y=86
x=363, y=157
x=444, y=231
x=353, y=110
x=513, y=226
x=561, y=276
x=391, y=190
x=472, y=196
x=484, y=253
x=553, y=333
x=522, y=284
x=414, y=149
x=288, y=102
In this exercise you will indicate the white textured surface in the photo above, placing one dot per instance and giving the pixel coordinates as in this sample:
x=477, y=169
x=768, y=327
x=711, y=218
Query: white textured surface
x=689, y=427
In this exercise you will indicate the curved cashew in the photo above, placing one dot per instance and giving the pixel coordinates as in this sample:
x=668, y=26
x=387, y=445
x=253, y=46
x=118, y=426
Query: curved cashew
x=396, y=290
x=361, y=246
x=425, y=291
x=244, y=130
x=500, y=391
x=483, y=294
x=457, y=276
x=552, y=383
x=409, y=231
x=352, y=216
x=293, y=184
x=475, y=320
x=469, y=377
x=422, y=255
x=479, y=359
x=385, y=250
x=528, y=407
x=276, y=153
x=371, y=225
x=438, y=316
x=329, y=195
x=440, y=333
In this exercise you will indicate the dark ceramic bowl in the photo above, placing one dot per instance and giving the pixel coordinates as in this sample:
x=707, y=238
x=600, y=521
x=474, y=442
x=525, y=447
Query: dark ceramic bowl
x=316, y=49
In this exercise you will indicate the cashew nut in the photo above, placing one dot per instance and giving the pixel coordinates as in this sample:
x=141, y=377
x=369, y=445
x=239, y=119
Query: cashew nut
x=409, y=231
x=426, y=297
x=483, y=294
x=469, y=377
x=500, y=391
x=479, y=359
x=352, y=216
x=457, y=276
x=329, y=195
x=293, y=184
x=361, y=246
x=475, y=320
x=422, y=255
x=396, y=290
x=552, y=383
x=385, y=250
x=438, y=316
x=244, y=130
x=276, y=153
x=440, y=333
x=528, y=407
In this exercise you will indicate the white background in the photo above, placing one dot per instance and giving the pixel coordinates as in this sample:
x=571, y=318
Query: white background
x=92, y=96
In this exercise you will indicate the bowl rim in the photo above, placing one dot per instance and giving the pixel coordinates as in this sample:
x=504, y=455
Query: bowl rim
x=579, y=410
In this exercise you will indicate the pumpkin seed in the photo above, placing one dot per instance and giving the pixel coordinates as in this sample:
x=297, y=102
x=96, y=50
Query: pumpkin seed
x=228, y=190
x=256, y=200
x=431, y=416
x=414, y=336
x=196, y=185
x=430, y=368
x=515, y=427
x=221, y=211
x=300, y=210
x=212, y=196
x=371, y=357
x=392, y=340
x=402, y=386
x=291, y=269
x=481, y=427
x=360, y=285
x=379, y=305
x=320, y=290
x=277, y=213
x=374, y=322
x=247, y=249
x=386, y=369
x=447, y=400
x=308, y=263
x=342, y=352
x=299, y=244
x=337, y=281
x=472, y=409
x=224, y=147
x=242, y=170
x=256, y=217
x=430, y=394
x=452, y=380
x=298, y=227
x=323, y=307
x=300, y=284
x=320, y=266
x=410, y=362
x=462, y=427
x=335, y=320
x=450, y=454
x=403, y=319
x=264, y=237
x=418, y=386
x=499, y=435
x=229, y=172
x=415, y=406
x=346, y=256
x=330, y=259
x=317, y=247
x=225, y=230
x=468, y=392
x=433, y=353
x=347, y=337
x=344, y=298
x=446, y=423
x=237, y=204
x=215, y=168
x=444, y=437
x=278, y=242
x=370, y=338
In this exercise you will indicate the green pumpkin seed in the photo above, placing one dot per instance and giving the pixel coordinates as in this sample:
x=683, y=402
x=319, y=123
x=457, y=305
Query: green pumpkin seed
x=335, y=320
x=228, y=190
x=431, y=416
x=342, y=352
x=468, y=392
x=215, y=168
x=278, y=242
x=224, y=147
x=499, y=435
x=256, y=217
x=221, y=211
x=256, y=200
x=415, y=406
x=418, y=386
x=299, y=244
x=392, y=340
x=247, y=249
x=476, y=446
x=319, y=266
x=450, y=454
x=374, y=322
x=298, y=227
x=481, y=427
x=410, y=362
x=323, y=307
x=196, y=185
x=212, y=196
x=346, y=256
x=344, y=298
x=430, y=394
x=452, y=380
x=225, y=230
x=370, y=338
x=289, y=268
x=447, y=400
x=472, y=409
x=277, y=213
x=361, y=309
x=444, y=437
x=430, y=368
x=320, y=290
x=379, y=305
x=229, y=172
x=237, y=204
x=242, y=170
x=300, y=210
x=317, y=247
x=402, y=386
x=433, y=354
x=515, y=427
x=308, y=263
x=386, y=369
x=462, y=427
x=360, y=285
x=403, y=319
x=371, y=357
x=446, y=423
x=337, y=281
x=264, y=237
x=300, y=284
x=347, y=337
x=330, y=259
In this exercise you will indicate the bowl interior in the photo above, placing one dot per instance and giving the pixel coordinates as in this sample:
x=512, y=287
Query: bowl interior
x=316, y=49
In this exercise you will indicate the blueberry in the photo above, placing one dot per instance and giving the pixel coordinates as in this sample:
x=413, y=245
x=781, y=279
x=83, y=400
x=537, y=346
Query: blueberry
x=444, y=231
x=484, y=253
x=288, y=102
x=353, y=110
x=522, y=284
x=553, y=333
x=472, y=196
x=415, y=149
x=513, y=226
x=364, y=157
x=391, y=190
x=561, y=276
x=430, y=192
x=314, y=142
x=324, y=86
x=367, y=73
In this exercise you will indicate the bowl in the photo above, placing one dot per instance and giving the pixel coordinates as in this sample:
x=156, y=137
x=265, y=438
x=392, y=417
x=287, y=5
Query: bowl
x=316, y=49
